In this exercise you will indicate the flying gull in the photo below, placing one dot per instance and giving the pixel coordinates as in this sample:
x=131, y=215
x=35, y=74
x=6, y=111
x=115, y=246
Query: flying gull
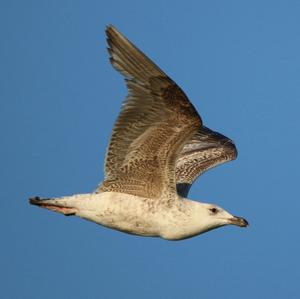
x=158, y=148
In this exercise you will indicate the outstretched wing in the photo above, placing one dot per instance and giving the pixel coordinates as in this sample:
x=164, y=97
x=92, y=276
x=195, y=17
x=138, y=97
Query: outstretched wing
x=206, y=149
x=155, y=122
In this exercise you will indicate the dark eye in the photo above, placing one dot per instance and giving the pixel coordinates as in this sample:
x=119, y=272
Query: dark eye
x=214, y=210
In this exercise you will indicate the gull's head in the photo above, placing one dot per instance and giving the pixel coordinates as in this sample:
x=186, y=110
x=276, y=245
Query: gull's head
x=216, y=217
x=200, y=218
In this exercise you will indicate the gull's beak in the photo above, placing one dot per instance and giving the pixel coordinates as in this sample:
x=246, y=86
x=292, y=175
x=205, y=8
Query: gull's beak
x=239, y=221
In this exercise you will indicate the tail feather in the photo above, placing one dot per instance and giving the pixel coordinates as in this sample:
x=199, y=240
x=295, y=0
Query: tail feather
x=52, y=205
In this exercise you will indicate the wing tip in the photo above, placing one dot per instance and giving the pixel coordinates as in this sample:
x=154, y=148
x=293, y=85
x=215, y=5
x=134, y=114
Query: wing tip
x=230, y=146
x=112, y=34
x=109, y=28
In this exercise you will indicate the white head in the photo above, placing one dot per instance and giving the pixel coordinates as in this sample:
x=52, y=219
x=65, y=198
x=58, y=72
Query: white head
x=211, y=216
x=199, y=218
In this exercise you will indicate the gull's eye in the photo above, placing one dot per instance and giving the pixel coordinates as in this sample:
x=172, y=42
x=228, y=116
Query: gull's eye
x=214, y=210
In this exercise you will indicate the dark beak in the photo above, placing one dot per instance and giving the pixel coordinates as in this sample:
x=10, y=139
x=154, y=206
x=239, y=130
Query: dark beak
x=239, y=221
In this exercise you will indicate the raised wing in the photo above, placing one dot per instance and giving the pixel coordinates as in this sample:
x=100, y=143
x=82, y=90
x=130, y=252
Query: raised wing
x=155, y=122
x=206, y=149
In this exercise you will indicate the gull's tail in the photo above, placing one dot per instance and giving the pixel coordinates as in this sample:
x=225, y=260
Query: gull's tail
x=52, y=204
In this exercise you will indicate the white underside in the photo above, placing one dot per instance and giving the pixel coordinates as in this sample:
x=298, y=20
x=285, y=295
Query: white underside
x=138, y=215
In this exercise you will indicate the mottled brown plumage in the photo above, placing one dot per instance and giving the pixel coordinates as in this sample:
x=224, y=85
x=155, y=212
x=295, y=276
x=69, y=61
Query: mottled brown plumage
x=206, y=149
x=155, y=122
x=158, y=140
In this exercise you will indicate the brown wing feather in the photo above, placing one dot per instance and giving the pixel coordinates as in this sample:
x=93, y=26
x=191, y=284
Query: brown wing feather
x=155, y=122
x=205, y=150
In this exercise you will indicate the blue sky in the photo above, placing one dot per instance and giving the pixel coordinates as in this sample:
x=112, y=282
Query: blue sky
x=239, y=63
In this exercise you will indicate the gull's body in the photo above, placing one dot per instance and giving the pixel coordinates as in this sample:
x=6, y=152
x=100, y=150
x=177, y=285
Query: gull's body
x=158, y=148
x=137, y=215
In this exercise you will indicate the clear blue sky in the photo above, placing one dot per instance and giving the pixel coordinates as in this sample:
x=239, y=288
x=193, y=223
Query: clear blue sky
x=238, y=61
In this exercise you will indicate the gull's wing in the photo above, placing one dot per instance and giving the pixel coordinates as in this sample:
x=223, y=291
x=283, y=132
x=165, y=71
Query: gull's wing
x=206, y=149
x=155, y=122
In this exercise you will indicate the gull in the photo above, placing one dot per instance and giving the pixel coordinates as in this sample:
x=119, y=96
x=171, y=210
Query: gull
x=158, y=148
